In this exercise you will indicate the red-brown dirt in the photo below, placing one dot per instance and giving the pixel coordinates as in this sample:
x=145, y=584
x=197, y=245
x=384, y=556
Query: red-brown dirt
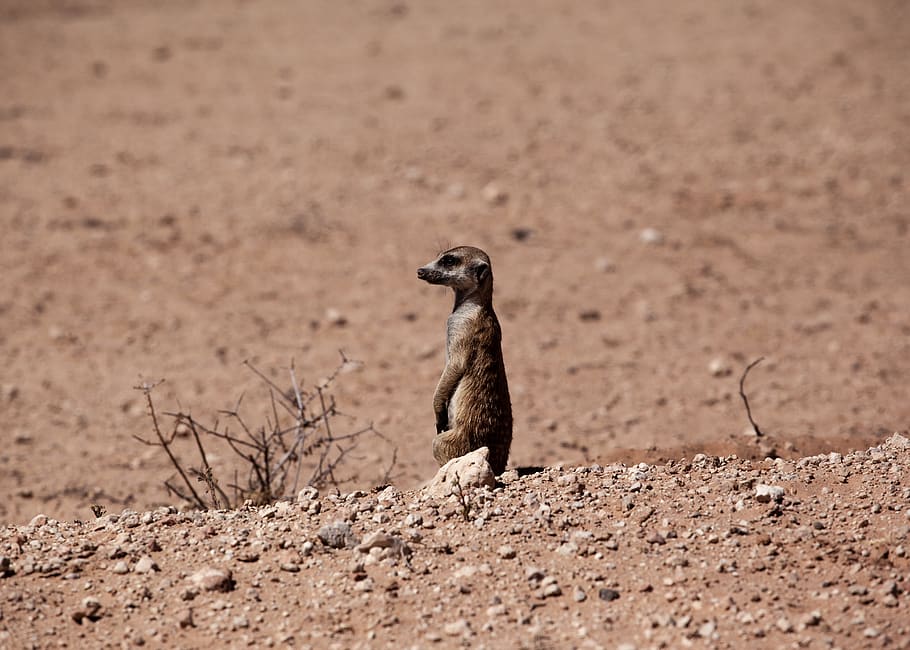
x=667, y=191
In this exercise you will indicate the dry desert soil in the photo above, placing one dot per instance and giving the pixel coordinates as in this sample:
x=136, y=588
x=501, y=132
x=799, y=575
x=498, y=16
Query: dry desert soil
x=668, y=192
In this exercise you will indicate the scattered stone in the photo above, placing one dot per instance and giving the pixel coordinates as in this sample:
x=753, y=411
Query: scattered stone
x=380, y=540
x=335, y=317
x=506, y=552
x=146, y=565
x=338, y=534
x=579, y=596
x=651, y=236
x=494, y=195
x=469, y=471
x=521, y=234
x=185, y=618
x=604, y=265
x=213, y=579
x=461, y=627
x=38, y=521
x=549, y=588
x=90, y=609
x=534, y=574
x=706, y=630
x=120, y=568
x=718, y=367
x=608, y=594
x=768, y=493
x=784, y=625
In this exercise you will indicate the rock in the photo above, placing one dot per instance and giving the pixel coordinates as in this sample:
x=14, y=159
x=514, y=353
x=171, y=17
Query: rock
x=461, y=627
x=551, y=590
x=212, y=579
x=521, y=234
x=5, y=567
x=604, y=265
x=38, y=521
x=651, y=236
x=120, y=568
x=335, y=317
x=706, y=630
x=768, y=493
x=608, y=594
x=307, y=494
x=579, y=596
x=534, y=574
x=381, y=540
x=90, y=609
x=784, y=625
x=506, y=552
x=897, y=441
x=185, y=618
x=719, y=368
x=494, y=195
x=338, y=534
x=469, y=471
x=146, y=565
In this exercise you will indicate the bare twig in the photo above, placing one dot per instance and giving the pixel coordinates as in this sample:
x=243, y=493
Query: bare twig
x=742, y=393
x=165, y=444
x=274, y=453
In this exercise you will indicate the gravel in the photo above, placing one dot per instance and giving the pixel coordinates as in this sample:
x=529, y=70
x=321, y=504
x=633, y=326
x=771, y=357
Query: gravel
x=698, y=554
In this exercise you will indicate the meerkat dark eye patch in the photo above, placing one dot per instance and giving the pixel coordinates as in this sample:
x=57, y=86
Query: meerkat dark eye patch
x=448, y=261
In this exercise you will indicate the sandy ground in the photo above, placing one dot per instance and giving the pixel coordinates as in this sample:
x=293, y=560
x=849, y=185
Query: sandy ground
x=668, y=191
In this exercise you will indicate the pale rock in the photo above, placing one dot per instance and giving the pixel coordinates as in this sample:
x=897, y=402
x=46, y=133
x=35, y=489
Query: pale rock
x=469, y=471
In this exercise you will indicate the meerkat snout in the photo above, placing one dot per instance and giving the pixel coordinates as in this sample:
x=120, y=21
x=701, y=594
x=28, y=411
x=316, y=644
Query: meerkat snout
x=471, y=403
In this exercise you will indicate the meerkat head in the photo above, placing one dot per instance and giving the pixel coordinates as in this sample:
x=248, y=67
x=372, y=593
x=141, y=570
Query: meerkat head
x=466, y=269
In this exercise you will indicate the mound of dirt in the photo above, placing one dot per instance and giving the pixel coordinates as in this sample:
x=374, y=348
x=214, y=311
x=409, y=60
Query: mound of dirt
x=667, y=191
x=720, y=551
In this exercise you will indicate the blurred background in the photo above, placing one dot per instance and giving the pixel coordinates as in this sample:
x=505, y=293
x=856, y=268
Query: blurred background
x=668, y=191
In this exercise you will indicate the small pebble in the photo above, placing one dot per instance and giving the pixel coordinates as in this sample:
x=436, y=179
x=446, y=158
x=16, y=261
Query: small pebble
x=651, y=236
x=768, y=493
x=506, y=552
x=494, y=195
x=608, y=594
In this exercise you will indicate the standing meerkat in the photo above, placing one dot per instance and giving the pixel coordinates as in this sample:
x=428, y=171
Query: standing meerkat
x=471, y=402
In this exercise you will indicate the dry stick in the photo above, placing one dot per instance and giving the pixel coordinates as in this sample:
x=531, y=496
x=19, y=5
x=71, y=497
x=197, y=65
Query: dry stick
x=742, y=393
x=269, y=382
x=299, y=421
x=147, y=389
x=328, y=438
x=387, y=474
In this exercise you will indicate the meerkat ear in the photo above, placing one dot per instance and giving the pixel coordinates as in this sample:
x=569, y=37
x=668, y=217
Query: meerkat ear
x=481, y=271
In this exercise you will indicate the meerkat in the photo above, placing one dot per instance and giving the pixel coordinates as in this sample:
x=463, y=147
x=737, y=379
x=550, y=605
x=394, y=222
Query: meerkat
x=471, y=401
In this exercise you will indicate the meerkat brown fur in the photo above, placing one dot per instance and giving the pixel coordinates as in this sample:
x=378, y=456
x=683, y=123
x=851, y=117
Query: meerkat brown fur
x=471, y=402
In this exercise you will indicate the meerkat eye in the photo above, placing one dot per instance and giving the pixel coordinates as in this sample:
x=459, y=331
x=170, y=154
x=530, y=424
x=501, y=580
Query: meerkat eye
x=448, y=260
